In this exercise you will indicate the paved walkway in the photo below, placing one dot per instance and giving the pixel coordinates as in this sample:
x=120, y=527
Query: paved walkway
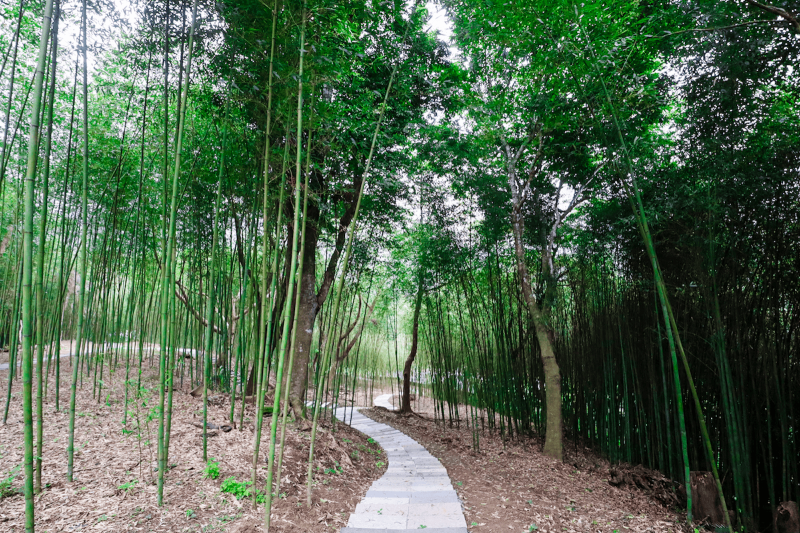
x=415, y=492
x=4, y=366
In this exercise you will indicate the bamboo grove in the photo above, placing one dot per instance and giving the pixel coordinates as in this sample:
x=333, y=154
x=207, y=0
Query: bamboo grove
x=577, y=221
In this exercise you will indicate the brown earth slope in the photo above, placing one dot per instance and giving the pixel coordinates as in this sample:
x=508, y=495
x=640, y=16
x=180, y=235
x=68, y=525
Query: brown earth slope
x=513, y=487
x=114, y=486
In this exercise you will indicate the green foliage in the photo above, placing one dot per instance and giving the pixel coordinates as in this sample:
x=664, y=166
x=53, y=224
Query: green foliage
x=128, y=485
x=6, y=488
x=337, y=469
x=372, y=449
x=212, y=469
x=241, y=489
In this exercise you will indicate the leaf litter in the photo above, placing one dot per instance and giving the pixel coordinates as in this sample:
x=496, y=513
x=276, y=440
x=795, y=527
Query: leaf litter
x=115, y=465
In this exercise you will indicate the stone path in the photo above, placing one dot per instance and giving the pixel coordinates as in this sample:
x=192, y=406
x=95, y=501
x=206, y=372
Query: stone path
x=415, y=492
x=383, y=401
x=4, y=366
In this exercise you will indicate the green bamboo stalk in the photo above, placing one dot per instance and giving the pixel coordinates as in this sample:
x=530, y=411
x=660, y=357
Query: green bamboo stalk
x=42, y=245
x=328, y=349
x=27, y=270
x=64, y=236
x=4, y=147
x=15, y=314
x=292, y=277
x=168, y=275
x=265, y=324
x=211, y=287
x=270, y=325
x=285, y=407
x=81, y=253
x=15, y=37
x=673, y=335
x=131, y=302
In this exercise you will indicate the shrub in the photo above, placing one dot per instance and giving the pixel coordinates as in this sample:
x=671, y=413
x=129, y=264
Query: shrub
x=241, y=489
x=212, y=469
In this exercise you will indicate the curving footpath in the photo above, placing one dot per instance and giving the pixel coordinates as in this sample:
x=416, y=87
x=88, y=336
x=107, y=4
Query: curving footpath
x=415, y=492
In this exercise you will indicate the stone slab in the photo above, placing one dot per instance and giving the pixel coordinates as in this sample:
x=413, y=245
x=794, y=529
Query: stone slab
x=427, y=530
x=414, y=493
x=436, y=496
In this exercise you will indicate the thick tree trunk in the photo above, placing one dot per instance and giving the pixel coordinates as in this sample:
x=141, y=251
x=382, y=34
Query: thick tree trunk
x=405, y=405
x=307, y=315
x=552, y=373
x=311, y=301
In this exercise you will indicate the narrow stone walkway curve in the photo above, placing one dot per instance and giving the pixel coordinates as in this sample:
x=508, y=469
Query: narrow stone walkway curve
x=414, y=494
x=383, y=401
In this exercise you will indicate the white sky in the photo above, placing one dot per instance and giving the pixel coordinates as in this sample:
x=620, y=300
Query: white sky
x=441, y=23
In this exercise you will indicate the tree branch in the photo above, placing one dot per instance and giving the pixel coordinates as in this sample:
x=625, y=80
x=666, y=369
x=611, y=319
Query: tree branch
x=341, y=235
x=792, y=19
x=180, y=293
x=721, y=28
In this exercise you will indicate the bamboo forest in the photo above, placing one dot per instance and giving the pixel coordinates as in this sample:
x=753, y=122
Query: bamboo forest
x=259, y=258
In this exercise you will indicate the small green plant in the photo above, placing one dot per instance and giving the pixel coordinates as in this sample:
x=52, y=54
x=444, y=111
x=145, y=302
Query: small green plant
x=237, y=488
x=422, y=527
x=129, y=485
x=348, y=441
x=532, y=527
x=5, y=484
x=459, y=483
x=354, y=455
x=190, y=514
x=229, y=518
x=380, y=464
x=212, y=469
x=337, y=469
x=241, y=489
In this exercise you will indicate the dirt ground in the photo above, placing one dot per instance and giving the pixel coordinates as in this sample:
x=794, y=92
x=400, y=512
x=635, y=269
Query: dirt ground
x=114, y=487
x=513, y=487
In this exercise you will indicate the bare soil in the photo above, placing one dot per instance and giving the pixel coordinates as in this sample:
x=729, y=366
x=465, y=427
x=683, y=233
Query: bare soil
x=114, y=487
x=513, y=487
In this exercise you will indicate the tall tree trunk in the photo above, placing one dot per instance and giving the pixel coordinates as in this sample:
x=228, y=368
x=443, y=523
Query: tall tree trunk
x=553, y=446
x=307, y=315
x=552, y=373
x=405, y=406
